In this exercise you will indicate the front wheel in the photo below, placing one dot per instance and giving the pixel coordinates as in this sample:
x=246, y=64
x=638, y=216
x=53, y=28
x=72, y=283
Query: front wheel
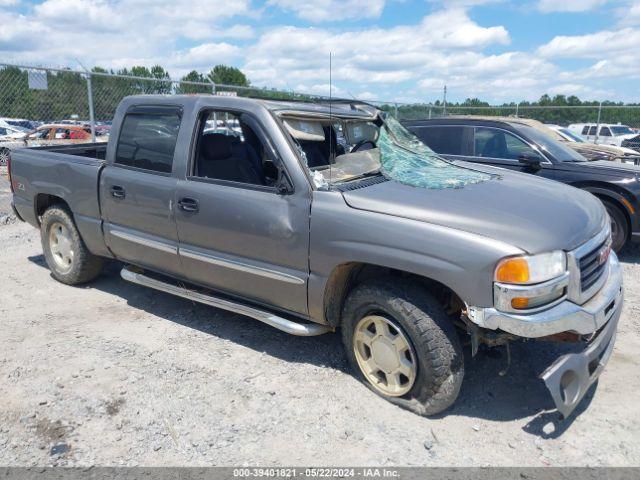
x=402, y=345
x=619, y=225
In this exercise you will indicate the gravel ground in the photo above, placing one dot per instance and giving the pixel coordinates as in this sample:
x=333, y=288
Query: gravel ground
x=116, y=374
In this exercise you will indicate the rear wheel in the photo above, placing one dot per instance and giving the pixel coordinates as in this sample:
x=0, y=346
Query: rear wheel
x=402, y=345
x=4, y=156
x=619, y=225
x=66, y=254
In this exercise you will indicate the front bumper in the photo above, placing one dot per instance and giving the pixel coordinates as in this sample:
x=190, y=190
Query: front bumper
x=571, y=375
x=563, y=317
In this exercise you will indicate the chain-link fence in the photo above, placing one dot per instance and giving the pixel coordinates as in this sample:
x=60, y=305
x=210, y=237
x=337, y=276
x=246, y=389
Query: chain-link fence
x=47, y=95
x=553, y=114
x=31, y=96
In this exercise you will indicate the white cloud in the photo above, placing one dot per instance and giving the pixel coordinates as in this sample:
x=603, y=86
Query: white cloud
x=629, y=15
x=374, y=55
x=548, y=6
x=407, y=61
x=334, y=10
x=120, y=33
x=464, y=3
x=595, y=45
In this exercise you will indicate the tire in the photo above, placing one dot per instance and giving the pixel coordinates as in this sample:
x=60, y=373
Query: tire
x=434, y=347
x=4, y=156
x=66, y=254
x=619, y=225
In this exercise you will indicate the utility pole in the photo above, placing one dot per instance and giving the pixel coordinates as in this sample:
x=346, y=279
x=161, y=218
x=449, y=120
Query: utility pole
x=598, y=123
x=92, y=117
x=444, y=102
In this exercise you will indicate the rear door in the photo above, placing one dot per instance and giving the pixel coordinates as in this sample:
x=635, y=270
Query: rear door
x=137, y=190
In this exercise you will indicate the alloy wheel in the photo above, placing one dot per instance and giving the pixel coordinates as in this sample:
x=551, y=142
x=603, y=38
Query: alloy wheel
x=385, y=355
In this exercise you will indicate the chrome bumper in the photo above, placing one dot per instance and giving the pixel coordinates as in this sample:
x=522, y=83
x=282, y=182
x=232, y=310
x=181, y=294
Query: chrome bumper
x=563, y=317
x=569, y=378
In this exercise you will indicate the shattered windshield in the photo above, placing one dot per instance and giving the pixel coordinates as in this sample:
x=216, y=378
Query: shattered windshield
x=338, y=150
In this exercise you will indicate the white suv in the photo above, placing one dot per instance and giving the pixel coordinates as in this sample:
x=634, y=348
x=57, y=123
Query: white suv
x=609, y=134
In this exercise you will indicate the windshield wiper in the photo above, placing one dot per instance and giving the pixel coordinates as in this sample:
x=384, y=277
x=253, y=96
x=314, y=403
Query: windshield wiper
x=372, y=173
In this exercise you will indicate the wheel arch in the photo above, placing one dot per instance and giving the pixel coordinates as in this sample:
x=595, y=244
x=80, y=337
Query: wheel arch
x=346, y=276
x=616, y=196
x=43, y=201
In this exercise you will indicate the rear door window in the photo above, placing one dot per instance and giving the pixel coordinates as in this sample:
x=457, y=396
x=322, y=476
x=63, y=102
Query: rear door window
x=592, y=130
x=447, y=140
x=148, y=139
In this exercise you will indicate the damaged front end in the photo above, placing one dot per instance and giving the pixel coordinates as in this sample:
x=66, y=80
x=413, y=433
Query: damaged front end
x=568, y=379
x=592, y=322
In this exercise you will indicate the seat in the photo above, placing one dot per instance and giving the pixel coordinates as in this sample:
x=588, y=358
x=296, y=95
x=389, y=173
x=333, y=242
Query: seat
x=217, y=158
x=496, y=147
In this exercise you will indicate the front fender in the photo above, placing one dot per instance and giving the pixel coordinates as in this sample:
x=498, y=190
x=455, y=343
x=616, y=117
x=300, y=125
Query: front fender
x=462, y=261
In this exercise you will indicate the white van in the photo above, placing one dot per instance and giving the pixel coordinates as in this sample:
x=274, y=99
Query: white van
x=609, y=133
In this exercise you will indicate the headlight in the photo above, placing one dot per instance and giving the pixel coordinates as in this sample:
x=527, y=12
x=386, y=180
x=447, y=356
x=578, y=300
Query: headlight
x=529, y=269
x=530, y=282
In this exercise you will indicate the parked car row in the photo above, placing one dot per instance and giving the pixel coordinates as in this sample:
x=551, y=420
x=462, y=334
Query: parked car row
x=20, y=133
x=526, y=146
x=605, y=133
x=314, y=217
x=595, y=151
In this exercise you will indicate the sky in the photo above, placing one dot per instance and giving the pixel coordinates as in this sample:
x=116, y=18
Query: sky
x=386, y=50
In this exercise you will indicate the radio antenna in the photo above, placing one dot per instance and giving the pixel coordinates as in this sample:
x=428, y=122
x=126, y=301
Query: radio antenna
x=330, y=129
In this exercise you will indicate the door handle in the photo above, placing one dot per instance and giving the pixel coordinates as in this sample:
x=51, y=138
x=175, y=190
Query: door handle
x=188, y=204
x=118, y=192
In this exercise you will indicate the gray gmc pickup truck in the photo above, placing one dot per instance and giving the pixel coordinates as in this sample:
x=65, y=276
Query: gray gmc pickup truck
x=313, y=217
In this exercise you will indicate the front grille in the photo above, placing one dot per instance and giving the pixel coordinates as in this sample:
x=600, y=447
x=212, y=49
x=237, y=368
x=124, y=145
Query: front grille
x=590, y=267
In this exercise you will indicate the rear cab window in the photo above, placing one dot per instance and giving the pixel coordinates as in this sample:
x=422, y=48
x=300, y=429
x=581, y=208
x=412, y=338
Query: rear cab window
x=148, y=137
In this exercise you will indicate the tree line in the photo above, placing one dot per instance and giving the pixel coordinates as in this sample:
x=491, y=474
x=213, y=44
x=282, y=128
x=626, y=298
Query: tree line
x=66, y=96
x=559, y=110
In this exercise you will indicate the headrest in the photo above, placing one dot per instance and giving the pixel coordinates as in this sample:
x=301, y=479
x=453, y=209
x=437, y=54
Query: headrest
x=216, y=146
x=357, y=132
x=304, y=129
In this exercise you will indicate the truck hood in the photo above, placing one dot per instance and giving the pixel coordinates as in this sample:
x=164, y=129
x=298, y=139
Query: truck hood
x=533, y=214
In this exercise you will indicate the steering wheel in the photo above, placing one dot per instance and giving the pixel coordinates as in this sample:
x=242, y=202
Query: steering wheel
x=361, y=144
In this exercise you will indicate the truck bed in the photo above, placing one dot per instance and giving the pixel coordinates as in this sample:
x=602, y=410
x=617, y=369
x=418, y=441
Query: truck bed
x=65, y=174
x=96, y=150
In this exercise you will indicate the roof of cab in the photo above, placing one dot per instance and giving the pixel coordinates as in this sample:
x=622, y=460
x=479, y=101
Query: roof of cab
x=337, y=107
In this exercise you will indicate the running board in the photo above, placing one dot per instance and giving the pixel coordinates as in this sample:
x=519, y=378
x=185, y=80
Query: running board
x=288, y=326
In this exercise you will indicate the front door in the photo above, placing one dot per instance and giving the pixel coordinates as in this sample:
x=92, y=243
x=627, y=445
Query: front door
x=501, y=148
x=239, y=234
x=137, y=190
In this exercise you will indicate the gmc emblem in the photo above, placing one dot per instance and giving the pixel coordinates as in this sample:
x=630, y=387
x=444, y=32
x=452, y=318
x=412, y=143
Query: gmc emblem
x=603, y=256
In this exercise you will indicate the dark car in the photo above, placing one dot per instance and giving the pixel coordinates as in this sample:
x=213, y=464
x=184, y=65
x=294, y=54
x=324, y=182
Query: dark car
x=517, y=144
x=632, y=143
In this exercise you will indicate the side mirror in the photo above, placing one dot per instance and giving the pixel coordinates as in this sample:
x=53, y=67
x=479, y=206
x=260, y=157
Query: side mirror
x=530, y=160
x=284, y=186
